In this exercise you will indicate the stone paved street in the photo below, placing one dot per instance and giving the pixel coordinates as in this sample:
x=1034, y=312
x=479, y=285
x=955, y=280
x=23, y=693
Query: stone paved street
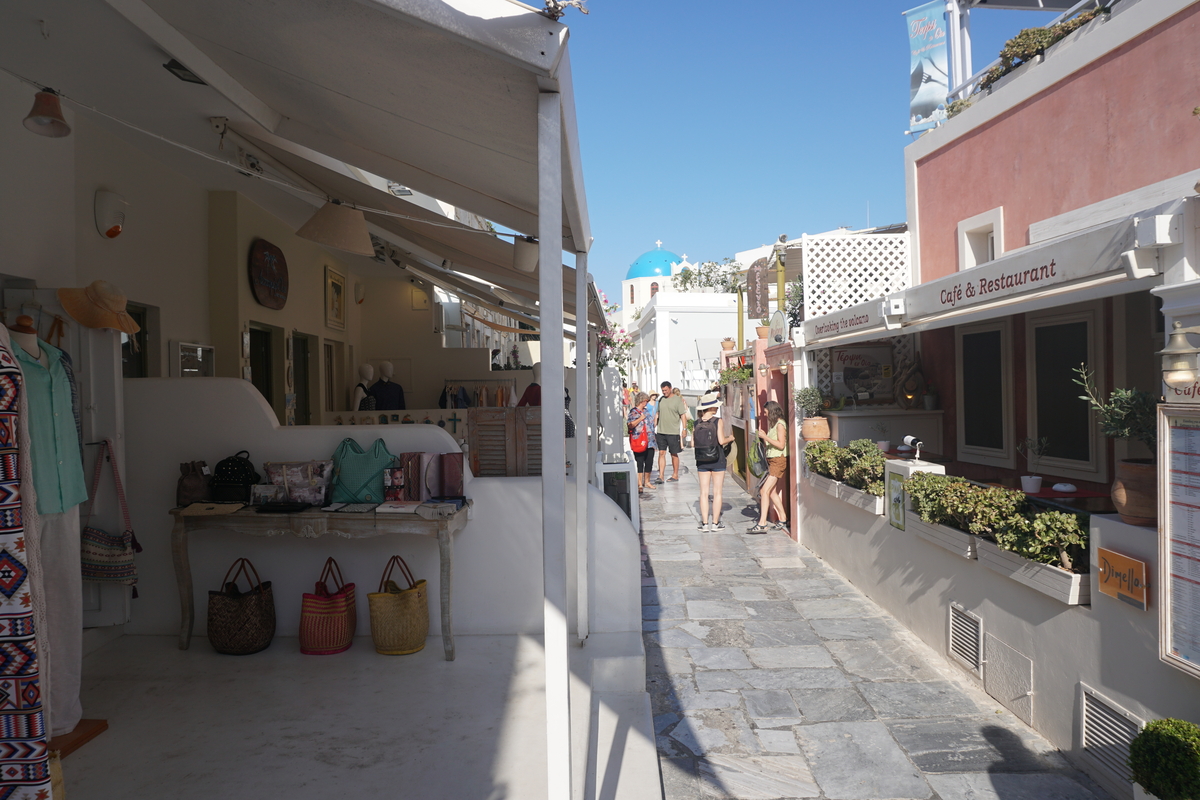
x=772, y=677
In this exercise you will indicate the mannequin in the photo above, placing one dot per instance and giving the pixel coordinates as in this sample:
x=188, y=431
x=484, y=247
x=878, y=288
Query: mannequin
x=389, y=395
x=57, y=460
x=533, y=392
x=365, y=373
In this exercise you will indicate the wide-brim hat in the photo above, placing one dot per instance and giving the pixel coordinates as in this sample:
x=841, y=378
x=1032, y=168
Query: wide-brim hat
x=709, y=400
x=99, y=305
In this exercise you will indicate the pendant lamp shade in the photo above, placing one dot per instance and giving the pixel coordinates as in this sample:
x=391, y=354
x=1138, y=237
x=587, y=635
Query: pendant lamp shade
x=339, y=226
x=525, y=253
x=46, y=117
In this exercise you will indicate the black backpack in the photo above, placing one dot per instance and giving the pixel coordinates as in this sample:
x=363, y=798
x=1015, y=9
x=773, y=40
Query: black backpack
x=708, y=451
x=233, y=477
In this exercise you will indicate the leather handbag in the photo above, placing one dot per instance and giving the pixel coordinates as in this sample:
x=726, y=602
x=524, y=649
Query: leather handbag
x=358, y=474
x=193, y=484
x=328, y=619
x=303, y=481
x=399, y=617
x=105, y=556
x=241, y=623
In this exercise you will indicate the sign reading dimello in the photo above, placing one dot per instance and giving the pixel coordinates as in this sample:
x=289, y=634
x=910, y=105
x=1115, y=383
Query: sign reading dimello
x=1122, y=577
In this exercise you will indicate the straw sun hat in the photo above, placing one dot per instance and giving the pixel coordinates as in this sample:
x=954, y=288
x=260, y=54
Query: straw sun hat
x=709, y=400
x=100, y=305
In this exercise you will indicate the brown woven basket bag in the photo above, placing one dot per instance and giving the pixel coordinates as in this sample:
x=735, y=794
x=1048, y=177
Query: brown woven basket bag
x=241, y=623
x=399, y=617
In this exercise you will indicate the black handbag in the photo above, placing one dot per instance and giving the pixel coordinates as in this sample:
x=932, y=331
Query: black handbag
x=241, y=623
x=233, y=477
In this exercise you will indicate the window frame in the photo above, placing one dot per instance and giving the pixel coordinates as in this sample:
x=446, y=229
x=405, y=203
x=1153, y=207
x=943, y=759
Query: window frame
x=1003, y=457
x=985, y=230
x=1096, y=468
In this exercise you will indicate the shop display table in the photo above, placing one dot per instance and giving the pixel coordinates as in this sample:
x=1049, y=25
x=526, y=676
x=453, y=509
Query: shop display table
x=313, y=524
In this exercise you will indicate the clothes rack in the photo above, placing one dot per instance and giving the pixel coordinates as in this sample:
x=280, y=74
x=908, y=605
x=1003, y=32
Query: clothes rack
x=478, y=393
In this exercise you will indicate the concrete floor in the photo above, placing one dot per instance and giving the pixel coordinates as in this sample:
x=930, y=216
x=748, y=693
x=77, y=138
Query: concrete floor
x=772, y=677
x=194, y=725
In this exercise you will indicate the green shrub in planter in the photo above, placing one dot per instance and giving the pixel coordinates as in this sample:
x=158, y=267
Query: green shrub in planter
x=1165, y=759
x=1051, y=537
x=865, y=469
x=823, y=457
x=928, y=492
x=961, y=504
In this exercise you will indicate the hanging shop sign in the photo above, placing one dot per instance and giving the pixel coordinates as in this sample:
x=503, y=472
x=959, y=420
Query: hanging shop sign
x=268, y=274
x=854, y=319
x=929, y=74
x=1026, y=271
x=756, y=289
x=1122, y=577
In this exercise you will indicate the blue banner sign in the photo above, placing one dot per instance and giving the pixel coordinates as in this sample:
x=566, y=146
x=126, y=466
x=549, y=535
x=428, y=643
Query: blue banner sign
x=930, y=76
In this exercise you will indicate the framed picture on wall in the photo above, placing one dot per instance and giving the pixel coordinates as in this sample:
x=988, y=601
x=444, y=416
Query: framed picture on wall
x=863, y=372
x=335, y=299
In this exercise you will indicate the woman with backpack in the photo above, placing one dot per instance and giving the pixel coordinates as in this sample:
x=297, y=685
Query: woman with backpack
x=641, y=434
x=710, y=438
x=771, y=494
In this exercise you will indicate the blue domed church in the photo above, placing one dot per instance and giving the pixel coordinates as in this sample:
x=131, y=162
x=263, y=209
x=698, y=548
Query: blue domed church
x=651, y=272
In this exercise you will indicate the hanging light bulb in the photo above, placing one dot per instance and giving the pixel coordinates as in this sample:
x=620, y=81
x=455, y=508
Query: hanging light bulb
x=339, y=226
x=46, y=117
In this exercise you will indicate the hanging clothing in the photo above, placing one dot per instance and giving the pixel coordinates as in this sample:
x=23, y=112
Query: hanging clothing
x=532, y=396
x=389, y=395
x=23, y=636
x=569, y=420
x=442, y=398
x=460, y=398
x=54, y=430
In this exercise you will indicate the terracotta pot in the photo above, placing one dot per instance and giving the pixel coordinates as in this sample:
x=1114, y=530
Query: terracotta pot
x=728, y=345
x=1135, y=492
x=812, y=428
x=762, y=330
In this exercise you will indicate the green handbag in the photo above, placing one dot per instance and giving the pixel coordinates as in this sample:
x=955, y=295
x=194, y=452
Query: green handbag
x=358, y=475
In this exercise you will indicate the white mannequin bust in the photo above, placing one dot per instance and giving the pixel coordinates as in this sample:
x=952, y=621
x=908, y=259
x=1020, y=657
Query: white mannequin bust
x=386, y=371
x=365, y=373
x=537, y=373
x=25, y=336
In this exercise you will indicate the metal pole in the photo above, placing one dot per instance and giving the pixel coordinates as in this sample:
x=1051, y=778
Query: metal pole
x=741, y=340
x=780, y=283
x=554, y=450
x=582, y=462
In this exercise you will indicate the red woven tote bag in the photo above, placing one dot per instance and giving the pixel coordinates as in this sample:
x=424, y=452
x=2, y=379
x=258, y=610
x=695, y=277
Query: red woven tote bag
x=328, y=619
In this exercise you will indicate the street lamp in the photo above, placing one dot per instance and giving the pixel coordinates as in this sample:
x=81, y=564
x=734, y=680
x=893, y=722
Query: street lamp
x=1180, y=361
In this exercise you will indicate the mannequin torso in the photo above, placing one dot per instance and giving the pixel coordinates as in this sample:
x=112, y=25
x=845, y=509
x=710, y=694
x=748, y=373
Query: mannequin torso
x=365, y=373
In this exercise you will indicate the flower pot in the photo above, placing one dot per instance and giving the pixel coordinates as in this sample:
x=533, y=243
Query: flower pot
x=762, y=330
x=884, y=445
x=1135, y=492
x=930, y=401
x=814, y=428
x=728, y=345
x=1031, y=484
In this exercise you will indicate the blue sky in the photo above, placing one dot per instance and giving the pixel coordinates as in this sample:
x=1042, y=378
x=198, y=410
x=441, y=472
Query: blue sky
x=717, y=126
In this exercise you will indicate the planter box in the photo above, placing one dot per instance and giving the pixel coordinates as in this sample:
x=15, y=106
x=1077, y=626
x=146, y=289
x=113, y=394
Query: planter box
x=847, y=494
x=823, y=484
x=1066, y=587
x=954, y=540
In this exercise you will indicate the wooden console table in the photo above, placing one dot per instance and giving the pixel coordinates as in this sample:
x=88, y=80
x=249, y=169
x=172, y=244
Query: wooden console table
x=313, y=524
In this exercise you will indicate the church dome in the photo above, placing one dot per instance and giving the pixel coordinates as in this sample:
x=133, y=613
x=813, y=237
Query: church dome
x=653, y=263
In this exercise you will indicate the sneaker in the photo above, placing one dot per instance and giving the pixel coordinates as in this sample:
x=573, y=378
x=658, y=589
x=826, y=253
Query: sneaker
x=713, y=527
x=703, y=526
x=758, y=529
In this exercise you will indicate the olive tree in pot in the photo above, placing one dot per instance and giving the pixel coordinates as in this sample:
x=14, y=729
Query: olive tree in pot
x=1128, y=414
x=1164, y=760
x=1033, y=450
x=814, y=425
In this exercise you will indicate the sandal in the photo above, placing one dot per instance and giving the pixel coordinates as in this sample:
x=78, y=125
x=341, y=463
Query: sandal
x=673, y=480
x=758, y=529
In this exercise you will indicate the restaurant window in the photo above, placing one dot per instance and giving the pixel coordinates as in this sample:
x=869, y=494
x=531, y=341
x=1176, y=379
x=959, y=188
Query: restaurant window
x=984, y=384
x=1056, y=343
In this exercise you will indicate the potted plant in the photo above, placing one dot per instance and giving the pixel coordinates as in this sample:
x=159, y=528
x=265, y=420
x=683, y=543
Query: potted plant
x=814, y=425
x=1128, y=414
x=763, y=328
x=1033, y=450
x=931, y=398
x=727, y=343
x=1164, y=760
x=735, y=374
x=881, y=427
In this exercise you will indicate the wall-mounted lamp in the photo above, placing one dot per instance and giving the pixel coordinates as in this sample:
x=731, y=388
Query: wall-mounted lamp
x=762, y=370
x=46, y=117
x=783, y=368
x=109, y=211
x=1180, y=361
x=893, y=312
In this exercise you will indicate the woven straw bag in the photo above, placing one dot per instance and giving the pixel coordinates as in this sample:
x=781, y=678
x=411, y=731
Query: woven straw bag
x=241, y=623
x=328, y=619
x=399, y=617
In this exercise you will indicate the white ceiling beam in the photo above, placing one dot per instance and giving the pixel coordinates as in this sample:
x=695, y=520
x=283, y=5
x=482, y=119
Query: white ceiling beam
x=179, y=47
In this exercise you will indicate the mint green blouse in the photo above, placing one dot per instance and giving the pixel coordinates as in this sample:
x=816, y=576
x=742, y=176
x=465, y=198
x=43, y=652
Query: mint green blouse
x=53, y=432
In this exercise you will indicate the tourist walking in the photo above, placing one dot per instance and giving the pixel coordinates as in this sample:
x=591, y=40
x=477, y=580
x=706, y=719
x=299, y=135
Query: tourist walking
x=771, y=494
x=641, y=439
x=672, y=413
x=710, y=437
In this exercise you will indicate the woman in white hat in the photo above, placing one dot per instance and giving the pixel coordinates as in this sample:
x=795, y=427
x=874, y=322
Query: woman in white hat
x=709, y=439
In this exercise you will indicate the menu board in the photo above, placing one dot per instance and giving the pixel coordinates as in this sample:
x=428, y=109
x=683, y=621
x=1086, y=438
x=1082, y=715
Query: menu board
x=1180, y=537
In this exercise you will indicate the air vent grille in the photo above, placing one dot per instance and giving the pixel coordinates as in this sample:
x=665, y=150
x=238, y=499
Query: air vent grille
x=1108, y=731
x=966, y=638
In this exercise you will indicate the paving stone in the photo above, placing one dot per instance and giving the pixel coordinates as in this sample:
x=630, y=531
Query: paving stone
x=664, y=612
x=973, y=744
x=663, y=722
x=707, y=731
x=772, y=609
x=795, y=656
x=658, y=557
x=711, y=680
x=677, y=568
x=837, y=608
x=673, y=548
x=790, y=574
x=872, y=661
x=778, y=741
x=801, y=588
x=756, y=777
x=708, y=593
x=679, y=778
x=688, y=698
x=671, y=637
x=719, y=658
x=726, y=633
x=667, y=660
x=851, y=628
x=832, y=705
x=716, y=609
x=697, y=629
x=744, y=593
x=659, y=595
x=781, y=562
x=1002, y=786
x=769, y=633
x=860, y=761
x=801, y=678
x=776, y=723
x=917, y=700
x=730, y=566
x=769, y=703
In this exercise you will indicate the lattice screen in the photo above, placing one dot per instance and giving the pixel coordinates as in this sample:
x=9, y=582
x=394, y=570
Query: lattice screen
x=843, y=271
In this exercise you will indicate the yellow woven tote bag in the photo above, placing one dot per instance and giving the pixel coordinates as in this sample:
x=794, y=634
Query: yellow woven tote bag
x=399, y=617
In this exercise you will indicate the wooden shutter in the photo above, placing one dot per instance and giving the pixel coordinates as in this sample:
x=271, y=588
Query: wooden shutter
x=529, y=440
x=492, y=439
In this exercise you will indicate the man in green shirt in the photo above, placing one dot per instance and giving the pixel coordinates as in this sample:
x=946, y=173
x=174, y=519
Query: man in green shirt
x=672, y=412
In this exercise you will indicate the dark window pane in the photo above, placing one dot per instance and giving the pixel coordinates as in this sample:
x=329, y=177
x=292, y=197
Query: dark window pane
x=1061, y=416
x=300, y=379
x=260, y=362
x=983, y=396
x=133, y=347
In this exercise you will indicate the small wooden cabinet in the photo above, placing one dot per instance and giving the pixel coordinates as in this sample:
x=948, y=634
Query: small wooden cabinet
x=505, y=442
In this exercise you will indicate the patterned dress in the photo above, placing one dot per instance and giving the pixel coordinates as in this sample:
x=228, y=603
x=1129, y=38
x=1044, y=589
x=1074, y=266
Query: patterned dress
x=24, y=765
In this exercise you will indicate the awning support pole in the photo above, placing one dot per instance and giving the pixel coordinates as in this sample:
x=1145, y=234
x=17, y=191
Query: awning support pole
x=741, y=340
x=554, y=449
x=581, y=459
